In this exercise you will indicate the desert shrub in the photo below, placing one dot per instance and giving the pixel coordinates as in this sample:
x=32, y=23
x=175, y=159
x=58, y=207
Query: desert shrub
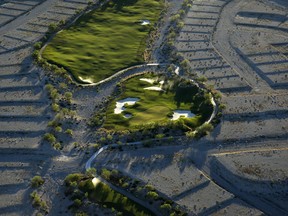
x=49, y=87
x=77, y=202
x=74, y=177
x=38, y=45
x=53, y=123
x=166, y=206
x=52, y=27
x=37, y=181
x=57, y=146
x=149, y=187
x=159, y=136
x=55, y=107
x=37, y=202
x=69, y=132
x=202, y=79
x=91, y=171
x=63, y=85
x=50, y=137
x=68, y=96
x=222, y=106
x=204, y=129
x=58, y=129
x=81, y=214
x=152, y=195
x=106, y=174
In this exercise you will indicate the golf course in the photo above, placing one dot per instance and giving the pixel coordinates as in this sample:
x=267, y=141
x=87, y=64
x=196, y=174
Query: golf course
x=149, y=99
x=105, y=40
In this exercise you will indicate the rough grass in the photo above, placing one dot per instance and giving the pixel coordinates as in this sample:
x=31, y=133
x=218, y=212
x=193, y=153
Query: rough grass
x=156, y=106
x=105, y=40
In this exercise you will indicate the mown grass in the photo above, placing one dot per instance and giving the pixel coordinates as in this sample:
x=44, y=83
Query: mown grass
x=157, y=107
x=105, y=40
x=105, y=195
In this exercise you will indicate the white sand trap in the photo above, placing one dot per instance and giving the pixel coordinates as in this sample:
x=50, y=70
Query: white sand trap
x=89, y=81
x=95, y=181
x=151, y=81
x=120, y=104
x=177, y=70
x=182, y=113
x=154, y=88
x=145, y=22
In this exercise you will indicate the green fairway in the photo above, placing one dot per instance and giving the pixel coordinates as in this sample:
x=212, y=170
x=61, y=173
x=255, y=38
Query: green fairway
x=105, y=40
x=158, y=106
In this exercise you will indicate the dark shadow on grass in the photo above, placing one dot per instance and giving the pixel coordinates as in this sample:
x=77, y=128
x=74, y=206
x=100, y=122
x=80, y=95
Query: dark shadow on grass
x=119, y=4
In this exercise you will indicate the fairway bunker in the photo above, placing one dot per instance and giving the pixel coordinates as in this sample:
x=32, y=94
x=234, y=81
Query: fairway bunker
x=120, y=104
x=153, y=88
x=182, y=114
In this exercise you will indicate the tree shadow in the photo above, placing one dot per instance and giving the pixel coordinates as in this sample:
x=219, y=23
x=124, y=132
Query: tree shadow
x=118, y=4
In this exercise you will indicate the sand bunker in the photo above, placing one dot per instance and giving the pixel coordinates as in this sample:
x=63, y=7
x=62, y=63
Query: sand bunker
x=154, y=88
x=182, y=113
x=151, y=81
x=145, y=22
x=95, y=181
x=177, y=70
x=89, y=81
x=120, y=104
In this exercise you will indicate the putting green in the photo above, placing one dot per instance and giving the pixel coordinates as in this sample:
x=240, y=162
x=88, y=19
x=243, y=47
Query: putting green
x=157, y=106
x=105, y=40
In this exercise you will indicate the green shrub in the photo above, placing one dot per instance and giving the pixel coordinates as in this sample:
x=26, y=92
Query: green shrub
x=105, y=174
x=149, y=187
x=204, y=129
x=74, y=177
x=91, y=171
x=37, y=202
x=55, y=107
x=52, y=28
x=50, y=138
x=69, y=132
x=37, y=181
x=152, y=195
x=38, y=45
x=159, y=136
x=58, y=129
x=68, y=96
x=77, y=202
x=57, y=146
x=166, y=206
x=222, y=106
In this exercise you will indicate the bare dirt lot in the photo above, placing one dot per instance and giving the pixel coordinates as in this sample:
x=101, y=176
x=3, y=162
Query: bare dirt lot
x=241, y=46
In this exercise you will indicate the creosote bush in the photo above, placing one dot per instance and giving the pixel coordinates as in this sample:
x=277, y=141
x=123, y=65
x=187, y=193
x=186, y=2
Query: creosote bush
x=37, y=181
